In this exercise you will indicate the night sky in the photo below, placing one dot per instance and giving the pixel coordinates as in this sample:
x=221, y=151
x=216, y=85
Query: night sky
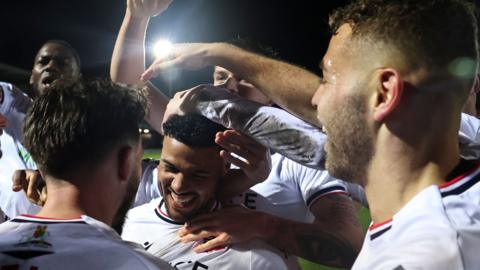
x=298, y=30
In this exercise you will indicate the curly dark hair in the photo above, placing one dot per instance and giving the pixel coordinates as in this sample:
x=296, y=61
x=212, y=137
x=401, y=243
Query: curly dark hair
x=80, y=122
x=192, y=129
x=427, y=32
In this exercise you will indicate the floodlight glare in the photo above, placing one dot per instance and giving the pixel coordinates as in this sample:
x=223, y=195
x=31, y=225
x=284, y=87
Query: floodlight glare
x=162, y=48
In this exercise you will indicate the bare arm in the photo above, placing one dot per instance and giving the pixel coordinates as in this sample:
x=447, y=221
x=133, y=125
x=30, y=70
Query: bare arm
x=128, y=59
x=334, y=238
x=289, y=86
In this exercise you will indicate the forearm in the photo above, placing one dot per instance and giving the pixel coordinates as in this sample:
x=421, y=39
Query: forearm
x=128, y=63
x=313, y=242
x=128, y=59
x=289, y=86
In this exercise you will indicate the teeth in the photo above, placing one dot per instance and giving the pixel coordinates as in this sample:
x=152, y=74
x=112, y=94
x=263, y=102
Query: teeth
x=182, y=199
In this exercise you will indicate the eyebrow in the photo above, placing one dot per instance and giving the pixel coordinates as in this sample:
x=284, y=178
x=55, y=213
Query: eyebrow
x=196, y=171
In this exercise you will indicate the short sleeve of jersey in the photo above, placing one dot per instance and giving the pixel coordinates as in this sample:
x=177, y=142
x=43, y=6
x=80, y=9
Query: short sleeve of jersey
x=148, y=187
x=313, y=183
x=469, y=137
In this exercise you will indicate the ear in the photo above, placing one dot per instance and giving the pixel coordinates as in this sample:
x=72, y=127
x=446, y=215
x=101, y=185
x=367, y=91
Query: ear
x=30, y=81
x=389, y=93
x=125, y=166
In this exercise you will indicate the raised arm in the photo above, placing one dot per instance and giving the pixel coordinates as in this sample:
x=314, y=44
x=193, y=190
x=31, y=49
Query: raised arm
x=289, y=86
x=128, y=59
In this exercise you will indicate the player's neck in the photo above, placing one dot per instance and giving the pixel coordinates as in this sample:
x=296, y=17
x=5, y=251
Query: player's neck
x=69, y=201
x=400, y=170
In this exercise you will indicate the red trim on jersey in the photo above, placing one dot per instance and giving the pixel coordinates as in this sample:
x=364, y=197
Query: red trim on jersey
x=460, y=177
x=376, y=225
x=326, y=194
x=45, y=218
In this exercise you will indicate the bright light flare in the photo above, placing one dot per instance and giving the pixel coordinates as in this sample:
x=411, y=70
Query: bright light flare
x=162, y=48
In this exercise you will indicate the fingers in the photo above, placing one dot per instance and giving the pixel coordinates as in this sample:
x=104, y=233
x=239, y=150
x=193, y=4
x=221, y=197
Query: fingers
x=235, y=142
x=35, y=187
x=199, y=224
x=192, y=237
x=157, y=67
x=19, y=181
x=220, y=241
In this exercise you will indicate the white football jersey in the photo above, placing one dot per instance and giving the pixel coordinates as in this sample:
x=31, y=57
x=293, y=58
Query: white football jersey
x=291, y=189
x=438, y=229
x=151, y=226
x=34, y=243
x=13, y=105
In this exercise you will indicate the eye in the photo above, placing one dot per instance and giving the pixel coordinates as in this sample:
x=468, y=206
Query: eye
x=170, y=169
x=43, y=61
x=201, y=176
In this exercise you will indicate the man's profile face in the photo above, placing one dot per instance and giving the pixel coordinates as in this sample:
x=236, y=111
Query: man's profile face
x=226, y=79
x=188, y=178
x=53, y=62
x=131, y=188
x=342, y=108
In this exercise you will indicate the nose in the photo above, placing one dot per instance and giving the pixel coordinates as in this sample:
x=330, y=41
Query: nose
x=179, y=183
x=52, y=65
x=316, y=98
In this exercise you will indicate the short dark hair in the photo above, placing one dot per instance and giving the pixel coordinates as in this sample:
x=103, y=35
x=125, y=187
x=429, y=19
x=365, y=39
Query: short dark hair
x=80, y=122
x=431, y=33
x=192, y=129
x=69, y=48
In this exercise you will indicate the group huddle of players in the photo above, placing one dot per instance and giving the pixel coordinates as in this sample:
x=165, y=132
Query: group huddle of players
x=242, y=184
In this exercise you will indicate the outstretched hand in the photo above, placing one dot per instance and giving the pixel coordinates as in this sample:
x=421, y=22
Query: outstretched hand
x=245, y=153
x=147, y=8
x=188, y=56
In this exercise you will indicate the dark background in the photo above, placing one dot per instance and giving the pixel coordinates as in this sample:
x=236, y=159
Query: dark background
x=298, y=30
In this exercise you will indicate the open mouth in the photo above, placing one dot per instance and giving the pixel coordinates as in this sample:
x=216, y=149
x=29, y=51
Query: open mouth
x=182, y=201
x=47, y=81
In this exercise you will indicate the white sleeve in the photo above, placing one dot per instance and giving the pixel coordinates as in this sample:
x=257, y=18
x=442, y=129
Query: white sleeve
x=469, y=137
x=272, y=127
x=148, y=186
x=313, y=183
x=14, y=105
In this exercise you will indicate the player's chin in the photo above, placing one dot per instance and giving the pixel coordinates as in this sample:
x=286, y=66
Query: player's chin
x=182, y=208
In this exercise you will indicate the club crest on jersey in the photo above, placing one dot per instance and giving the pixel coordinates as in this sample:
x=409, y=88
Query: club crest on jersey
x=32, y=245
x=36, y=238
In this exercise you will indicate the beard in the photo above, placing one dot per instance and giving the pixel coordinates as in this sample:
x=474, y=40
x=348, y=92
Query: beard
x=349, y=143
x=184, y=217
x=131, y=192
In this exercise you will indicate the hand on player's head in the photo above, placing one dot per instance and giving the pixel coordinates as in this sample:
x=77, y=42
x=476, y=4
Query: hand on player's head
x=245, y=153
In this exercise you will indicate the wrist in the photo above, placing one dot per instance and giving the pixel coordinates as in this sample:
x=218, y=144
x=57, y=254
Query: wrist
x=136, y=18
